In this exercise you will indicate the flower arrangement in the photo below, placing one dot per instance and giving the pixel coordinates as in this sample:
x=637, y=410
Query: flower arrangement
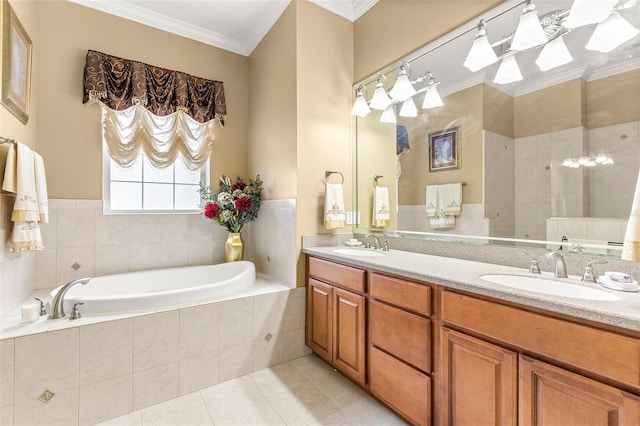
x=234, y=204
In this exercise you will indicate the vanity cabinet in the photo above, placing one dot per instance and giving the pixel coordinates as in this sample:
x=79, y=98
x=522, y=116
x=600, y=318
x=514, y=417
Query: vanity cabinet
x=336, y=308
x=492, y=369
x=400, y=346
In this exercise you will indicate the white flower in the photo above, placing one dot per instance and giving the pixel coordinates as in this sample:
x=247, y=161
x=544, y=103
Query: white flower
x=224, y=198
x=226, y=215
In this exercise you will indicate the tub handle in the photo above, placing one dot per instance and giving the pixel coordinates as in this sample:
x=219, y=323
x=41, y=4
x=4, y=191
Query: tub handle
x=75, y=312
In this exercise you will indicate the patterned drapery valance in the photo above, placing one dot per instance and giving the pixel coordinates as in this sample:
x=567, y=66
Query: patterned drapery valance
x=121, y=83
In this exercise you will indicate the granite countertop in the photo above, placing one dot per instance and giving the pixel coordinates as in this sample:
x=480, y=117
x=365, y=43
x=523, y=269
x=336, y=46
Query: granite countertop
x=465, y=275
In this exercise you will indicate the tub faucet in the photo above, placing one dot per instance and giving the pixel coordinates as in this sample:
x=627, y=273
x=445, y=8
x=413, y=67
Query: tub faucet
x=57, y=308
x=561, y=267
x=368, y=244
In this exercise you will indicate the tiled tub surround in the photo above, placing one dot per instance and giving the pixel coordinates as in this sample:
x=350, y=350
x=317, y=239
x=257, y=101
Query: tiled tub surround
x=100, y=367
x=465, y=275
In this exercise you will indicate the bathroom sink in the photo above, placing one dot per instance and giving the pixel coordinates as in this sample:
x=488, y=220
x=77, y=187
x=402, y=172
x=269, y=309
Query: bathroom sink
x=359, y=252
x=551, y=287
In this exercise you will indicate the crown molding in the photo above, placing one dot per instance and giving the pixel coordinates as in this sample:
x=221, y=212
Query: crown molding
x=348, y=9
x=143, y=16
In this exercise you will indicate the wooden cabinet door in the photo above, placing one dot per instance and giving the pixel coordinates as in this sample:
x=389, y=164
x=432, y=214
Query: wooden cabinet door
x=478, y=382
x=320, y=319
x=348, y=334
x=552, y=396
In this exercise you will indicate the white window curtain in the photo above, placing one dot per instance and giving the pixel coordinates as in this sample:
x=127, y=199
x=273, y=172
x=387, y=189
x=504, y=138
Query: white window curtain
x=162, y=138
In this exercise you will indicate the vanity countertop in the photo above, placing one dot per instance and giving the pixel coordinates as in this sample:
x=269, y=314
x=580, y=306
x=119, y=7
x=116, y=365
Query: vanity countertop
x=465, y=275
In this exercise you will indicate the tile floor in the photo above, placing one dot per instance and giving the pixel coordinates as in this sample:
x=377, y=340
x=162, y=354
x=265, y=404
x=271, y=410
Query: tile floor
x=304, y=391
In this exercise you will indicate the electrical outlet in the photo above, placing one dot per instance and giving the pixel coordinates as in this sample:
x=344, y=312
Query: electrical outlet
x=357, y=218
x=349, y=218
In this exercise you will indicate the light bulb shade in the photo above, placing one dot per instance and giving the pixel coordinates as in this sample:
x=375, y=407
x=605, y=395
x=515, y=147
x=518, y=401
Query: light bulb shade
x=481, y=53
x=611, y=33
x=408, y=109
x=388, y=116
x=601, y=158
x=609, y=161
x=529, y=32
x=568, y=162
x=360, y=107
x=380, y=99
x=585, y=12
x=432, y=98
x=509, y=71
x=584, y=160
x=553, y=55
x=403, y=88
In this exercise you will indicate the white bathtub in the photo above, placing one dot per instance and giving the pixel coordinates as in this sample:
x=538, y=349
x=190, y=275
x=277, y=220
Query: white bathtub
x=161, y=287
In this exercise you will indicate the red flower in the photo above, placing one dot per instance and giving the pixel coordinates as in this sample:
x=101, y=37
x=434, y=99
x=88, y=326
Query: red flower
x=238, y=185
x=243, y=204
x=211, y=211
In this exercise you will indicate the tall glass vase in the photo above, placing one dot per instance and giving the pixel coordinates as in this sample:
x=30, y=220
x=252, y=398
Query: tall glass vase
x=233, y=247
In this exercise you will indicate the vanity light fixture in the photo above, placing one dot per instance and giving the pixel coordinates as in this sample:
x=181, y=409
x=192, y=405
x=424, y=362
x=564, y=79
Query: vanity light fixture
x=509, y=71
x=360, y=107
x=554, y=54
x=611, y=33
x=408, y=108
x=388, y=115
x=403, y=88
x=380, y=99
x=432, y=98
x=481, y=53
x=529, y=32
x=585, y=12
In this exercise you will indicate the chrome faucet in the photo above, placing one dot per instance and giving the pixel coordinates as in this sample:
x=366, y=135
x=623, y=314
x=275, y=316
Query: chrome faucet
x=534, y=267
x=561, y=267
x=57, y=308
x=368, y=244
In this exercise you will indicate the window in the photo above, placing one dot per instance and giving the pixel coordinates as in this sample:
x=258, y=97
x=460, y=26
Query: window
x=145, y=188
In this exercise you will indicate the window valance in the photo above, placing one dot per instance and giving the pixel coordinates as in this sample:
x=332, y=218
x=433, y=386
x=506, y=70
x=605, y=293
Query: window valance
x=121, y=83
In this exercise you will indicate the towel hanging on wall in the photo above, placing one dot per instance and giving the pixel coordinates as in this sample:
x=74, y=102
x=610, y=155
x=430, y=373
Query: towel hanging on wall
x=334, y=213
x=381, y=215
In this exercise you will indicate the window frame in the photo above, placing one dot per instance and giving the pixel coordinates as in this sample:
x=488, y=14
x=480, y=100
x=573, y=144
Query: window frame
x=106, y=188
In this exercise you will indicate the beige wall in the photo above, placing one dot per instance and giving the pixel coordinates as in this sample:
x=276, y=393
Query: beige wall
x=613, y=100
x=497, y=111
x=272, y=109
x=68, y=132
x=462, y=109
x=394, y=28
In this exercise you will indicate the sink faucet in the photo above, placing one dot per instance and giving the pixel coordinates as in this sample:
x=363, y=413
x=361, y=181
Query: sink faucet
x=589, y=276
x=368, y=244
x=57, y=308
x=561, y=267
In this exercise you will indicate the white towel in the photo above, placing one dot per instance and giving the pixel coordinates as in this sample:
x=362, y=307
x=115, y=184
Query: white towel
x=334, y=214
x=41, y=189
x=432, y=200
x=452, y=198
x=20, y=178
x=631, y=245
x=381, y=215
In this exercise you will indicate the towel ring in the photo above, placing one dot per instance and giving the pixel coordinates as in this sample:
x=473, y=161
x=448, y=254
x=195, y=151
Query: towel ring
x=329, y=173
x=375, y=179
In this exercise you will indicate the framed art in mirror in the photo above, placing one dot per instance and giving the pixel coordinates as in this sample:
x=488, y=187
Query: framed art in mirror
x=16, y=64
x=444, y=150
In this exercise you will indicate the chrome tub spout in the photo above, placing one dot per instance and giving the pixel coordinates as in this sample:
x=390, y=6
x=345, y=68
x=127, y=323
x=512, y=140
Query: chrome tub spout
x=57, y=308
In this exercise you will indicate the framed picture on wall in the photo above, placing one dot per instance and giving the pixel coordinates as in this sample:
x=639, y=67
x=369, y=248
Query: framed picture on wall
x=16, y=64
x=444, y=153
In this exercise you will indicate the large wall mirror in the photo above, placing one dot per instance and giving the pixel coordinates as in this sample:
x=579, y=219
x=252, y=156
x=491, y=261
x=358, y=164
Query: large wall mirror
x=537, y=146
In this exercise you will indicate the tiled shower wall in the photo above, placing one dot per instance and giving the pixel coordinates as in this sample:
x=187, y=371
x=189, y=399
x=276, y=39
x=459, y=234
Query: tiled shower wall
x=100, y=371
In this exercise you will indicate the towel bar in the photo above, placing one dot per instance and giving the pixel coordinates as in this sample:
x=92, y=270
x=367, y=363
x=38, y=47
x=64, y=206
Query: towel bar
x=7, y=140
x=329, y=173
x=375, y=179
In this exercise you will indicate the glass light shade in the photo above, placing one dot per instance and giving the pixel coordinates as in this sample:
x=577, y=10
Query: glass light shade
x=601, y=158
x=553, y=55
x=380, y=99
x=360, y=107
x=481, y=53
x=608, y=161
x=585, y=12
x=388, y=116
x=611, y=33
x=583, y=161
x=508, y=72
x=591, y=163
x=408, y=109
x=432, y=98
x=568, y=162
x=529, y=32
x=403, y=88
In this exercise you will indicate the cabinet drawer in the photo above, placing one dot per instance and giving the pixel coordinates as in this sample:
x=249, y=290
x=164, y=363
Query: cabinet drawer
x=402, y=334
x=405, y=389
x=602, y=352
x=339, y=275
x=406, y=294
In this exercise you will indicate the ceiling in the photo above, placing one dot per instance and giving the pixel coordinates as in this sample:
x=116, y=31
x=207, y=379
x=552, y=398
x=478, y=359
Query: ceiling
x=234, y=25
